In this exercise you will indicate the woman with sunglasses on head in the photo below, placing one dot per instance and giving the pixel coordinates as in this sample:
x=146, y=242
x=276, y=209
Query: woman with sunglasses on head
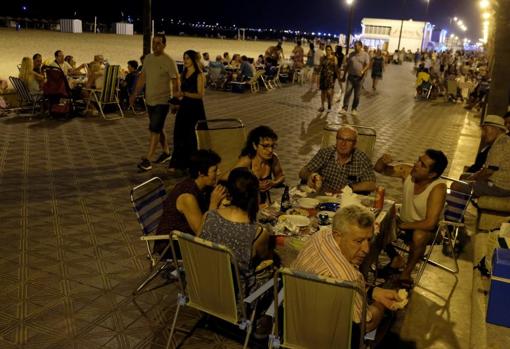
x=258, y=155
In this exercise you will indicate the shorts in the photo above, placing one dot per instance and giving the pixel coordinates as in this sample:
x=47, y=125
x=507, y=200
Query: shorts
x=157, y=117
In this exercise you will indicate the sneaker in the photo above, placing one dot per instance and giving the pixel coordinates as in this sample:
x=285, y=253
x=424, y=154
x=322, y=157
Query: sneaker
x=145, y=165
x=354, y=112
x=343, y=111
x=329, y=110
x=321, y=109
x=164, y=157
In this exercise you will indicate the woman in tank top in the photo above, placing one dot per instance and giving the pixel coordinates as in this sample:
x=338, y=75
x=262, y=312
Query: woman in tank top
x=259, y=157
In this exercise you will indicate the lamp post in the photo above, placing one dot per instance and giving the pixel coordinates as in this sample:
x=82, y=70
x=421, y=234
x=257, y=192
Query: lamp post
x=350, y=3
x=147, y=26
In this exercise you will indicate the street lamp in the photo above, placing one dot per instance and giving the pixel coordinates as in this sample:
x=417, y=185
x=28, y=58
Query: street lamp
x=349, y=3
x=484, y=4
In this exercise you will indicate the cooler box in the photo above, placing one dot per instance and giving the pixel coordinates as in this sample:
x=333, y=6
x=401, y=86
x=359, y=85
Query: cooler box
x=499, y=296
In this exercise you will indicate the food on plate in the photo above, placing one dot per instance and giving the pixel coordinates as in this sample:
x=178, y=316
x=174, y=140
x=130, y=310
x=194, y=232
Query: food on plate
x=296, y=211
x=308, y=203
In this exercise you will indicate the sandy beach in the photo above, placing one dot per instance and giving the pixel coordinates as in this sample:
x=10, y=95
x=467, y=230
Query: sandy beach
x=118, y=49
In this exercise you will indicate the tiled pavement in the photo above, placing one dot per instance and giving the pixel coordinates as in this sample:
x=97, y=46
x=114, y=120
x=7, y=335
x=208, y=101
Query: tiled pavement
x=69, y=249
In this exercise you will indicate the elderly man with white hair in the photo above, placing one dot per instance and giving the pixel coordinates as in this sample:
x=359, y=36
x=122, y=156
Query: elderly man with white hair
x=339, y=252
x=332, y=168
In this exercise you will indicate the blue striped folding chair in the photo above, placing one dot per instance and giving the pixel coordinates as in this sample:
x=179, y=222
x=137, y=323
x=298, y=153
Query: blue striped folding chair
x=147, y=199
x=451, y=225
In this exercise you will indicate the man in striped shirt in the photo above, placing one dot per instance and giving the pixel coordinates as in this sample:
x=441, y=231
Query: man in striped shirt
x=339, y=252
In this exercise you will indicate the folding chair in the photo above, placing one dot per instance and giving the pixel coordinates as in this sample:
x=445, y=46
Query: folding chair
x=225, y=136
x=366, y=137
x=254, y=82
x=147, y=200
x=448, y=228
x=25, y=97
x=213, y=285
x=108, y=93
x=317, y=311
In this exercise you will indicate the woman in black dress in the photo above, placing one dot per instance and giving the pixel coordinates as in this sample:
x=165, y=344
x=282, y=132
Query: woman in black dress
x=191, y=110
x=377, y=66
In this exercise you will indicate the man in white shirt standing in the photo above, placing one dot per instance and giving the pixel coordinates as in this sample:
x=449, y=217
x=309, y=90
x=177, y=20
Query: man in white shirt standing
x=160, y=77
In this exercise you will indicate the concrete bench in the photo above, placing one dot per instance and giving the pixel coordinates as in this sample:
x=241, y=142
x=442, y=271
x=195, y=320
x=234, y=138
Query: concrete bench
x=492, y=211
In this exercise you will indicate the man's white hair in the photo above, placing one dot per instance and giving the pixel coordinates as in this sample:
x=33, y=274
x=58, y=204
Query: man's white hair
x=351, y=215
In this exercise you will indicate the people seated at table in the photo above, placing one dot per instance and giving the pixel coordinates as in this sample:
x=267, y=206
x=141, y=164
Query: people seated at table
x=246, y=70
x=339, y=252
x=235, y=63
x=226, y=58
x=259, y=157
x=186, y=204
x=128, y=84
x=260, y=61
x=274, y=54
x=493, y=179
x=334, y=167
x=60, y=63
x=206, y=61
x=37, y=63
x=423, y=200
x=217, y=73
x=30, y=78
x=235, y=225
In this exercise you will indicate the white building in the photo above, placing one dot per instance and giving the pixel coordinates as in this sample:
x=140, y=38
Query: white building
x=385, y=33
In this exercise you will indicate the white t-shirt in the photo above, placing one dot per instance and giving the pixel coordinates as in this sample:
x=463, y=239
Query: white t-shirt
x=159, y=71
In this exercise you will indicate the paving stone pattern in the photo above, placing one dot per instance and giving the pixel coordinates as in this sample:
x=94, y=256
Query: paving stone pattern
x=69, y=252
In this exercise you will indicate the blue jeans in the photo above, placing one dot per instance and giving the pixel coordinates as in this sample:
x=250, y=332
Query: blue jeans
x=353, y=83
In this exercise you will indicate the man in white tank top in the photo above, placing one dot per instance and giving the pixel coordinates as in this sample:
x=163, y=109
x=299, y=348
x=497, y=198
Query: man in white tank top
x=423, y=200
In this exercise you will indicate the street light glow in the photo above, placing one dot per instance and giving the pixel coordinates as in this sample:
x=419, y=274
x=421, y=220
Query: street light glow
x=486, y=15
x=349, y=2
x=484, y=4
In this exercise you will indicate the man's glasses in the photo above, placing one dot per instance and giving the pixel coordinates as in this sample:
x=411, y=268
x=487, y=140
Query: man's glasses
x=349, y=140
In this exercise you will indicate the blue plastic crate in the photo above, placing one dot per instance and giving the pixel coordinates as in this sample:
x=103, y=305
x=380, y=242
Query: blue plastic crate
x=499, y=300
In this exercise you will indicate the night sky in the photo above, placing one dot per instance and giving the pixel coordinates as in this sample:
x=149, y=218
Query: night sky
x=305, y=15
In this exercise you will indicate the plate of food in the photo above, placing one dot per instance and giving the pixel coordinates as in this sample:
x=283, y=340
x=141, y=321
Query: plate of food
x=308, y=203
x=296, y=211
x=327, y=198
x=294, y=220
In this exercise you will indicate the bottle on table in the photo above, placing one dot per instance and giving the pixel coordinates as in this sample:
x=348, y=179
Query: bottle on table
x=379, y=197
x=285, y=203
